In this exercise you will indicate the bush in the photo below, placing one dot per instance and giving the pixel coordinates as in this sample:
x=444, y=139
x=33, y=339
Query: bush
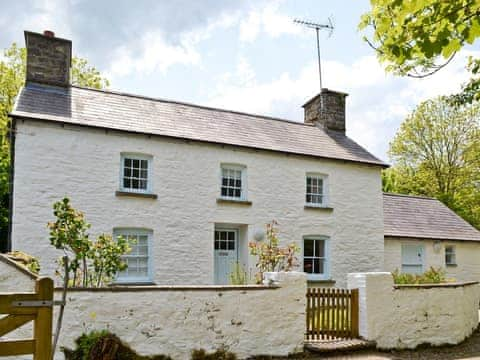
x=221, y=354
x=431, y=276
x=103, y=345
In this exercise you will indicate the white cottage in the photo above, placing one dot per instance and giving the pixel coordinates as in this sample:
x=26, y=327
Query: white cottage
x=192, y=184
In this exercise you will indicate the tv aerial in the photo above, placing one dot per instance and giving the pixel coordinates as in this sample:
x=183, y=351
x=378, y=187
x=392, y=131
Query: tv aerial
x=317, y=27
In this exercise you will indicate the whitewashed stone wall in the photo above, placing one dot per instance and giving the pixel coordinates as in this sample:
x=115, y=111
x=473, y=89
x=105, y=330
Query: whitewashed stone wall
x=467, y=255
x=174, y=321
x=407, y=316
x=52, y=161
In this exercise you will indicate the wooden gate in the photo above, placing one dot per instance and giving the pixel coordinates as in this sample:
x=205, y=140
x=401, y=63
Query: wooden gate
x=22, y=308
x=331, y=313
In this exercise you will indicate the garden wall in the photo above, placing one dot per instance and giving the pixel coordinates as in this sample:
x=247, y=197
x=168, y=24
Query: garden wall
x=405, y=316
x=174, y=320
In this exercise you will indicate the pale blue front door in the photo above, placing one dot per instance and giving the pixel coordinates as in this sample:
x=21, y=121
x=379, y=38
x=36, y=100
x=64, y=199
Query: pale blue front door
x=225, y=253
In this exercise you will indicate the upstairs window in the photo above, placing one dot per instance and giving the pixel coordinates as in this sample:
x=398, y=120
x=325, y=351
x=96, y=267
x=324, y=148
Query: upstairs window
x=316, y=194
x=138, y=259
x=233, y=182
x=136, y=173
x=315, y=260
x=450, y=258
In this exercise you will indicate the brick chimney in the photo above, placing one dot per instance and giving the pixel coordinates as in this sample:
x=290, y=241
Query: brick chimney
x=326, y=110
x=48, y=58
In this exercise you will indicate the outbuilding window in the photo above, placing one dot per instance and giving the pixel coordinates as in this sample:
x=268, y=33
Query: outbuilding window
x=316, y=190
x=450, y=258
x=233, y=182
x=136, y=173
x=315, y=259
x=138, y=259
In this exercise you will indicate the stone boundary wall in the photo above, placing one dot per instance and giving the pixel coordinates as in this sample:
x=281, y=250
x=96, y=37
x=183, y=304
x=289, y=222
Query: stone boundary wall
x=170, y=320
x=406, y=316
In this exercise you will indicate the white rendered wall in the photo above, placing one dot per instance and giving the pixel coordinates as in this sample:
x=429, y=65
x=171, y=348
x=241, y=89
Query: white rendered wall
x=467, y=257
x=406, y=317
x=174, y=322
x=52, y=161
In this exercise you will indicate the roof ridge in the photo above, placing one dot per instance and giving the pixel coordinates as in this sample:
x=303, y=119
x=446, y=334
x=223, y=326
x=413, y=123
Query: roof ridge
x=145, y=97
x=410, y=196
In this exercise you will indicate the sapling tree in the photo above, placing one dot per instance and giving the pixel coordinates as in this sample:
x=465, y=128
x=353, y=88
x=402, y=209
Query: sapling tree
x=90, y=263
x=270, y=255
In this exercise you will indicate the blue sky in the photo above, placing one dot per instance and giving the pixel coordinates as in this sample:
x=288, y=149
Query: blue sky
x=240, y=55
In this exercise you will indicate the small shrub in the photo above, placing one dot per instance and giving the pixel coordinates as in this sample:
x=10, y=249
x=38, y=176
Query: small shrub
x=431, y=276
x=270, y=255
x=103, y=345
x=220, y=354
x=238, y=275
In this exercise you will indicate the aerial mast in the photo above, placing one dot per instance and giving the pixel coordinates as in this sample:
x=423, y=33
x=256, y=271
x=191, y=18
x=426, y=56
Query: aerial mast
x=317, y=27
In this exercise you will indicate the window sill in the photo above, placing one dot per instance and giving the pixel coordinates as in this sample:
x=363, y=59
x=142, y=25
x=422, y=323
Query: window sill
x=232, y=201
x=451, y=265
x=135, y=194
x=131, y=283
x=315, y=207
x=321, y=281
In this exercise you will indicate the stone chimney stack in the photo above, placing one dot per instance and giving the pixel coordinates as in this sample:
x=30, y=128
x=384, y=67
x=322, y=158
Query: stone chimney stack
x=48, y=59
x=326, y=110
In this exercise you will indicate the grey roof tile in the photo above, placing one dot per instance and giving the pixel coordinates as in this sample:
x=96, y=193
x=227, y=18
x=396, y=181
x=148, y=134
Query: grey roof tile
x=424, y=218
x=126, y=112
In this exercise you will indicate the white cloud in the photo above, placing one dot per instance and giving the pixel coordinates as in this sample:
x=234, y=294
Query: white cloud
x=377, y=103
x=154, y=53
x=267, y=19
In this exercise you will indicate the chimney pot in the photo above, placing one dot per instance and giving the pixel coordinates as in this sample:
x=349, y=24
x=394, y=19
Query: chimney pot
x=326, y=110
x=49, y=34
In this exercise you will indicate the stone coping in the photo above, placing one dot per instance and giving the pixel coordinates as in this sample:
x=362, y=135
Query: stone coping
x=429, y=286
x=140, y=288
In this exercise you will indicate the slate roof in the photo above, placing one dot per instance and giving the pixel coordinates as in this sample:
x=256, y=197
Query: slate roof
x=138, y=114
x=424, y=218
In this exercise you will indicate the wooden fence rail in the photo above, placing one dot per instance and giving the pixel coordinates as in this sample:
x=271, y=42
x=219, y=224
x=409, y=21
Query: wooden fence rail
x=22, y=308
x=331, y=313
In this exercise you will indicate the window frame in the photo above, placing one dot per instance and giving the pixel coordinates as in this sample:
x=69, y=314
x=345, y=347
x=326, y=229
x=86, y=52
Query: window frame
x=136, y=156
x=326, y=258
x=125, y=231
x=243, y=189
x=453, y=252
x=325, y=195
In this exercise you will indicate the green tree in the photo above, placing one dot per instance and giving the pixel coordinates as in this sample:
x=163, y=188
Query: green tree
x=12, y=78
x=90, y=263
x=419, y=37
x=436, y=152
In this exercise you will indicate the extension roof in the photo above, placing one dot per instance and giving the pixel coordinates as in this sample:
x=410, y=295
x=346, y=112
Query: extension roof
x=139, y=114
x=424, y=218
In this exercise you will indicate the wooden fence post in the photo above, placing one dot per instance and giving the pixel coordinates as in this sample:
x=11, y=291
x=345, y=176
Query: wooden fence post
x=42, y=330
x=355, y=313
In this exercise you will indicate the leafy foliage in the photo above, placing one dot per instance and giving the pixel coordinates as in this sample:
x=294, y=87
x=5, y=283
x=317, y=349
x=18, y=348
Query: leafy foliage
x=103, y=345
x=238, y=275
x=28, y=261
x=272, y=257
x=12, y=78
x=412, y=36
x=431, y=276
x=220, y=354
x=436, y=153
x=92, y=264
